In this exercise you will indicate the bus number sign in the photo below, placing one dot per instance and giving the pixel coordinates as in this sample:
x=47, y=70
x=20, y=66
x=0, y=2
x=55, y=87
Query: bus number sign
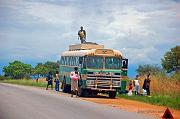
x=104, y=51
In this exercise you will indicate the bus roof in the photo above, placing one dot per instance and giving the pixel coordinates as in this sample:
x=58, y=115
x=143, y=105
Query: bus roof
x=93, y=52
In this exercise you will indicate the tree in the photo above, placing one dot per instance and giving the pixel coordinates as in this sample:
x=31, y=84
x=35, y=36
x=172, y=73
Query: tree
x=17, y=70
x=148, y=68
x=52, y=66
x=171, y=60
x=40, y=70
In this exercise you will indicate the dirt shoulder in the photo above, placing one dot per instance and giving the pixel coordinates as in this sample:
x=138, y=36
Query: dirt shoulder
x=135, y=106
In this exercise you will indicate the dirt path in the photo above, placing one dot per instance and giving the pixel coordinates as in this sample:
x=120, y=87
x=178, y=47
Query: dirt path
x=135, y=106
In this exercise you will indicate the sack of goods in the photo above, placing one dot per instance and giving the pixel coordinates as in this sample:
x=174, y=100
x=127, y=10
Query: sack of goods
x=75, y=77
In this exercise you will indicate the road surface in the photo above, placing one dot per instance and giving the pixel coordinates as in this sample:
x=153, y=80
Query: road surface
x=20, y=102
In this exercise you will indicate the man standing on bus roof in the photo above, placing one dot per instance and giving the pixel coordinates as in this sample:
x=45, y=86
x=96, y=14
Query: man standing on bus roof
x=74, y=75
x=82, y=35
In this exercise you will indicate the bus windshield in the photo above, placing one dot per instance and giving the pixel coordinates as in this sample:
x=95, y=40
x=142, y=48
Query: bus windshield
x=94, y=62
x=112, y=63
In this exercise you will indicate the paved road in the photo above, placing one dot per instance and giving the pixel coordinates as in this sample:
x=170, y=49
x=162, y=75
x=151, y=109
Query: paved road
x=20, y=102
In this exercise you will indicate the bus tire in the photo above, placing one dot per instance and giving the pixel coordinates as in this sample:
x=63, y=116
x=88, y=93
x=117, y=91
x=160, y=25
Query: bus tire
x=94, y=93
x=112, y=94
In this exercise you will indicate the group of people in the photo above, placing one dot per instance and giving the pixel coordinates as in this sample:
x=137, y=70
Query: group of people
x=49, y=79
x=74, y=75
x=136, y=84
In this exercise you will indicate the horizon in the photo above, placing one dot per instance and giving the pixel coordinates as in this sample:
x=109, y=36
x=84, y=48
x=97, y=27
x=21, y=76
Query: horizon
x=36, y=31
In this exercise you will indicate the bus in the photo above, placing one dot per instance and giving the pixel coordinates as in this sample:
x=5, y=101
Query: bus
x=101, y=70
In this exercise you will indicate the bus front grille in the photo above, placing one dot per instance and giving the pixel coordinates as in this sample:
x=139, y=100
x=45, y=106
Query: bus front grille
x=104, y=82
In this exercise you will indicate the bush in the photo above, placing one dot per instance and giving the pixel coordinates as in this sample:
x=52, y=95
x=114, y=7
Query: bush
x=3, y=78
x=176, y=76
x=148, y=68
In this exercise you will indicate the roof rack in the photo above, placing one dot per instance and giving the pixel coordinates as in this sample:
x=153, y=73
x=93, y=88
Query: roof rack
x=85, y=46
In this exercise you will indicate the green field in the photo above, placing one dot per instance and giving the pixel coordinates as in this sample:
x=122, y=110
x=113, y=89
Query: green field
x=25, y=82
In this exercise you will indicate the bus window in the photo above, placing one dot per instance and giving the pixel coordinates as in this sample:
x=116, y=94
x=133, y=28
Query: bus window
x=80, y=60
x=62, y=61
x=94, y=62
x=112, y=63
x=70, y=61
x=66, y=60
x=73, y=61
x=76, y=59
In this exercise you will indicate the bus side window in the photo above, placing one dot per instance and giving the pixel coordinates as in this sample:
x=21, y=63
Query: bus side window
x=66, y=60
x=74, y=61
x=70, y=61
x=80, y=60
x=62, y=61
x=75, y=58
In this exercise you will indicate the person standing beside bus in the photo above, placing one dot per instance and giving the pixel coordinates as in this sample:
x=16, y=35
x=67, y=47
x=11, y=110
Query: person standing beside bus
x=148, y=84
x=49, y=80
x=136, y=85
x=74, y=75
x=57, y=81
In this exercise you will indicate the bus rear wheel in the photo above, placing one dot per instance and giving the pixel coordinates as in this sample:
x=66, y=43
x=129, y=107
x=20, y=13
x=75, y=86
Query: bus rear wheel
x=112, y=94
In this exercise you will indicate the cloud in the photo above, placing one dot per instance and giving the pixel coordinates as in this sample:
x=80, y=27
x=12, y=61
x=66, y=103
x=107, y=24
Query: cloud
x=39, y=30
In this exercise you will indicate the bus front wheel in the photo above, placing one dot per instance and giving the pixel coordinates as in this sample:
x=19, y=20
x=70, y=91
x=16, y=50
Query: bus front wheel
x=112, y=94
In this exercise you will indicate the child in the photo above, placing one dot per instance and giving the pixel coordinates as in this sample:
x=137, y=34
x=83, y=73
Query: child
x=57, y=81
x=130, y=89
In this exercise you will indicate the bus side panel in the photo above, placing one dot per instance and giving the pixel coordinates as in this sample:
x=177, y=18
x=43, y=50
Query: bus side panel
x=65, y=73
x=124, y=73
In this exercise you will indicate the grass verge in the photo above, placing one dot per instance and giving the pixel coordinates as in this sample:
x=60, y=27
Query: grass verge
x=162, y=100
x=26, y=82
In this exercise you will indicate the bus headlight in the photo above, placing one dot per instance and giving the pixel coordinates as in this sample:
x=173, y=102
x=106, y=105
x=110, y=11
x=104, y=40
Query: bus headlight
x=116, y=83
x=90, y=82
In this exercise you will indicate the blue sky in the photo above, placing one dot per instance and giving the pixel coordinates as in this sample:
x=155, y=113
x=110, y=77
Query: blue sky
x=39, y=30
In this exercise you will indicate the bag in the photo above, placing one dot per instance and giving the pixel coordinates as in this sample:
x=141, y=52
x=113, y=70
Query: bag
x=130, y=93
x=75, y=77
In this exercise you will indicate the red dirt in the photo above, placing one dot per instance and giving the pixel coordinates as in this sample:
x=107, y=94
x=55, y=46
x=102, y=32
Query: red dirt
x=135, y=106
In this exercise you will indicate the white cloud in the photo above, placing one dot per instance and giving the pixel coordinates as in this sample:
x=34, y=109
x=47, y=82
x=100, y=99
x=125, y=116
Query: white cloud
x=50, y=13
x=143, y=31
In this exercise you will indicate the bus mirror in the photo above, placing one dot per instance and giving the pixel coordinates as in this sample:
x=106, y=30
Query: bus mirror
x=125, y=63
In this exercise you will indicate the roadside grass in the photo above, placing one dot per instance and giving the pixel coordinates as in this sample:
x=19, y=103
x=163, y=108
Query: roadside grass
x=26, y=82
x=161, y=100
x=165, y=91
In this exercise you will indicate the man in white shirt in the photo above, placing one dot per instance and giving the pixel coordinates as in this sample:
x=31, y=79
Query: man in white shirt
x=136, y=86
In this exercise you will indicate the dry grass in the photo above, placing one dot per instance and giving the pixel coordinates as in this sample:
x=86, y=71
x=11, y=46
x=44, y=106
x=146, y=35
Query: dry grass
x=163, y=85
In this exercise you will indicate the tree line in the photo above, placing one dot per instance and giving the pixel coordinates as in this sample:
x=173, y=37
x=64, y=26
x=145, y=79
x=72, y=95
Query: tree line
x=19, y=70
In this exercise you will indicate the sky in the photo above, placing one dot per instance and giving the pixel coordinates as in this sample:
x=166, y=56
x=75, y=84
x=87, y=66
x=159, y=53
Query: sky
x=34, y=31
